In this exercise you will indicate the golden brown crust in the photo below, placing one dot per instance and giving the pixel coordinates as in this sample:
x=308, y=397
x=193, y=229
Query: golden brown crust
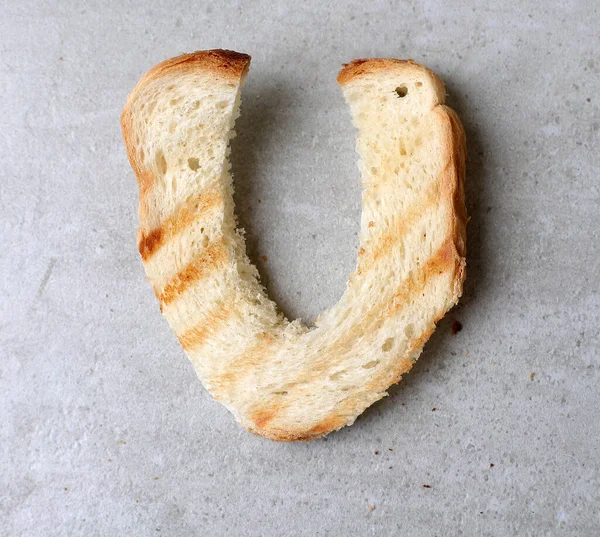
x=361, y=67
x=225, y=63
x=357, y=69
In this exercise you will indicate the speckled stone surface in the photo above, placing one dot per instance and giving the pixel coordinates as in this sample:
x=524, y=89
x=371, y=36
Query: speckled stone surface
x=105, y=429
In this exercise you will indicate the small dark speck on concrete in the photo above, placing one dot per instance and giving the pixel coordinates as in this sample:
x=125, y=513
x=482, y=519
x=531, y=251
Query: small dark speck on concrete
x=491, y=464
x=456, y=327
x=588, y=100
x=433, y=409
x=66, y=488
x=390, y=449
x=531, y=375
x=259, y=201
x=426, y=486
x=60, y=59
x=391, y=467
x=377, y=452
x=264, y=258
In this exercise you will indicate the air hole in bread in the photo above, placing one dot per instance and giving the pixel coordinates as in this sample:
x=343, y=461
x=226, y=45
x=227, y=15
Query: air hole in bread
x=280, y=393
x=418, y=84
x=161, y=162
x=222, y=104
x=371, y=364
x=173, y=102
x=387, y=344
x=337, y=375
x=204, y=241
x=409, y=330
x=193, y=164
x=402, y=91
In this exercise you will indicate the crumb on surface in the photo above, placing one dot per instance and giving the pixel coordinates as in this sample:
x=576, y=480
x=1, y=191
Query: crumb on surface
x=122, y=442
x=264, y=258
x=390, y=449
x=259, y=201
x=426, y=486
x=434, y=409
x=377, y=452
x=531, y=375
x=60, y=59
x=491, y=464
x=371, y=507
x=456, y=327
x=155, y=478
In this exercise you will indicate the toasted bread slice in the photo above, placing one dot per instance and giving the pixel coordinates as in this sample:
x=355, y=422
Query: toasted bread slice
x=282, y=380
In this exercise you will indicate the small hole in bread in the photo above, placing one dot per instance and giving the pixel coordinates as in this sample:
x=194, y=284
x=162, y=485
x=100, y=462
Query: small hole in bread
x=337, y=375
x=371, y=364
x=161, y=162
x=409, y=330
x=222, y=104
x=402, y=91
x=418, y=84
x=193, y=164
x=387, y=344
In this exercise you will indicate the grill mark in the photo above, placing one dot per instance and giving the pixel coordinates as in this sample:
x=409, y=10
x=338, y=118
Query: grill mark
x=444, y=259
x=196, y=336
x=384, y=242
x=213, y=256
x=240, y=366
x=151, y=241
x=262, y=417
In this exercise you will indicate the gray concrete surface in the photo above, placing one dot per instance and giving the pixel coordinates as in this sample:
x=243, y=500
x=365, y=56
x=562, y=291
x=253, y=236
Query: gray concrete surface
x=105, y=429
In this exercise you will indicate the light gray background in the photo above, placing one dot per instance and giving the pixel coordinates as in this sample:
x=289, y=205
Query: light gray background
x=105, y=429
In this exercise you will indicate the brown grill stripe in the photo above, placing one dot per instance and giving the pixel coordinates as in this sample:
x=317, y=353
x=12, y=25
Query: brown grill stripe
x=151, y=241
x=196, y=336
x=213, y=256
x=252, y=357
x=384, y=242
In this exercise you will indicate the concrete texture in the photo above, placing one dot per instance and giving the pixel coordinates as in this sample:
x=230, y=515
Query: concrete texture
x=105, y=429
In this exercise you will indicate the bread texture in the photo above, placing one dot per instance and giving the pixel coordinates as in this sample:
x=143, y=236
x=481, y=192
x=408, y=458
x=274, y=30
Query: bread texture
x=281, y=379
